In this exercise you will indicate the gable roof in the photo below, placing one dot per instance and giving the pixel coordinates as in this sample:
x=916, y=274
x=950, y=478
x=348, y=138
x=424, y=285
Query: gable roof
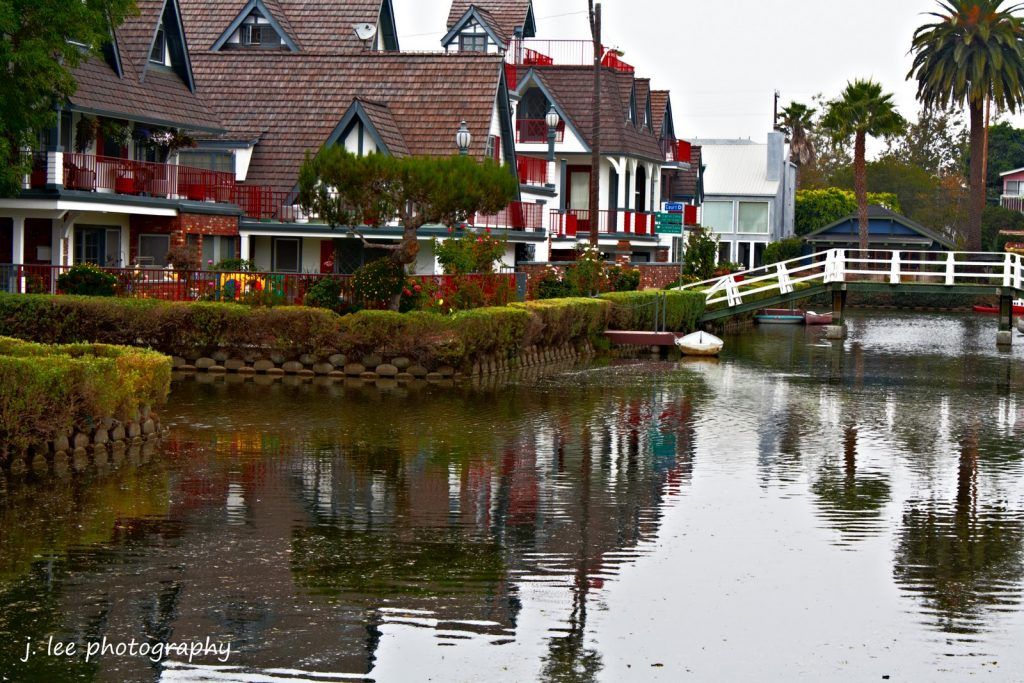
x=660, y=108
x=315, y=26
x=571, y=88
x=294, y=101
x=506, y=15
x=877, y=215
x=379, y=122
x=157, y=95
x=269, y=10
x=486, y=20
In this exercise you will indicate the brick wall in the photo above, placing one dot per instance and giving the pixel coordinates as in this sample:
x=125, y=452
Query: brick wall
x=179, y=227
x=652, y=275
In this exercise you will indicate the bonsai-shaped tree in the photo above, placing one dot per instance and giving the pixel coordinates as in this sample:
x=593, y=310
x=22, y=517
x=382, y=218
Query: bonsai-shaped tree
x=351, y=192
x=862, y=110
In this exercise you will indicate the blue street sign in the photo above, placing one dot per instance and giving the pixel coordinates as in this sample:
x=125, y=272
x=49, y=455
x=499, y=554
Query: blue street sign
x=673, y=207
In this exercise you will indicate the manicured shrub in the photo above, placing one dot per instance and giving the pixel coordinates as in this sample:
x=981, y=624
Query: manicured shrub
x=565, y=321
x=326, y=293
x=636, y=310
x=682, y=281
x=624, y=278
x=550, y=285
x=86, y=279
x=47, y=390
x=470, y=253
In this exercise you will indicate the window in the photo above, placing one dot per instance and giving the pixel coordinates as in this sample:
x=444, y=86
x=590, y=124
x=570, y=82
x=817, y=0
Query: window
x=473, y=42
x=718, y=216
x=743, y=252
x=98, y=245
x=753, y=218
x=494, y=148
x=153, y=250
x=158, y=54
x=217, y=249
x=261, y=35
x=724, y=252
x=209, y=160
x=1014, y=187
x=287, y=255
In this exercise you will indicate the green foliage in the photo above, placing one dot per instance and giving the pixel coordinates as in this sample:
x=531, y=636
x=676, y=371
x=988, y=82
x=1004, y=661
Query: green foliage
x=38, y=58
x=47, y=390
x=86, y=279
x=347, y=191
x=378, y=282
x=783, y=250
x=469, y=253
x=682, y=281
x=326, y=293
x=636, y=310
x=701, y=254
x=996, y=219
x=796, y=120
x=1005, y=153
x=862, y=109
x=550, y=285
x=587, y=275
x=817, y=208
x=916, y=191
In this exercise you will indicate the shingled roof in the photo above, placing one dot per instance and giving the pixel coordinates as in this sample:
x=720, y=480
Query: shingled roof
x=572, y=88
x=689, y=179
x=319, y=26
x=154, y=95
x=503, y=16
x=295, y=101
x=659, y=107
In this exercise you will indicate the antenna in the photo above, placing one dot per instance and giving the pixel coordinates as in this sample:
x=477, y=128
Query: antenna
x=365, y=32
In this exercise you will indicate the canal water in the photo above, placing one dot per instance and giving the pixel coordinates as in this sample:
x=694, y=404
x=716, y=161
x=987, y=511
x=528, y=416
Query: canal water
x=798, y=510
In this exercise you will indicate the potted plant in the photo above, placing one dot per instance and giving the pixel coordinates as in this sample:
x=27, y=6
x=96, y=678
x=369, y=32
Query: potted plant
x=85, y=133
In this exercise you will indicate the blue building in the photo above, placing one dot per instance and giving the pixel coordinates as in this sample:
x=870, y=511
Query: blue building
x=887, y=230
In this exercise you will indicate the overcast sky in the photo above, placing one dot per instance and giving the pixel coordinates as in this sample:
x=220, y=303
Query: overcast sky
x=723, y=59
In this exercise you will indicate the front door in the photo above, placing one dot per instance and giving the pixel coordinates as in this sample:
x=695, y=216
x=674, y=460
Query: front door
x=579, y=195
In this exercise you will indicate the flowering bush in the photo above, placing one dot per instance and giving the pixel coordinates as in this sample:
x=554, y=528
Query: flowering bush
x=378, y=282
x=326, y=293
x=470, y=253
x=588, y=273
x=623, y=278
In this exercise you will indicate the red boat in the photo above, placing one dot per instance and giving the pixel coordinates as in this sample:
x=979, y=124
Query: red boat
x=1018, y=308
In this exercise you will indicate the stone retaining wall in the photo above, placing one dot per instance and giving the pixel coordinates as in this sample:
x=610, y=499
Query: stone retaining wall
x=371, y=368
x=109, y=443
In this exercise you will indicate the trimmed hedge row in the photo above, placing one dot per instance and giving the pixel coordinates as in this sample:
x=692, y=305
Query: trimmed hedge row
x=201, y=329
x=636, y=310
x=47, y=390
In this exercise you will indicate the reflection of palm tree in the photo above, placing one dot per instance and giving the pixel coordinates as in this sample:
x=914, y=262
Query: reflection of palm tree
x=965, y=561
x=851, y=503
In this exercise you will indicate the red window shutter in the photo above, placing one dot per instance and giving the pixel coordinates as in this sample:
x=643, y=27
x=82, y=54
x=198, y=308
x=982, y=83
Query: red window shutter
x=327, y=256
x=497, y=148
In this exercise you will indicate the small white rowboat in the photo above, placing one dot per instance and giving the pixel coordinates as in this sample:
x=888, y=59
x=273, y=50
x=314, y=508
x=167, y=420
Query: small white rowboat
x=700, y=344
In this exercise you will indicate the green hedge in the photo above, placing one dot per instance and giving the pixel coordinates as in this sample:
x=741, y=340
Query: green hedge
x=45, y=390
x=200, y=329
x=636, y=310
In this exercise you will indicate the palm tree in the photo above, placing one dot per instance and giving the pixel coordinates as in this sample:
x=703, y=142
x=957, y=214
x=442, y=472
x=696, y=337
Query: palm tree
x=863, y=110
x=973, y=54
x=796, y=121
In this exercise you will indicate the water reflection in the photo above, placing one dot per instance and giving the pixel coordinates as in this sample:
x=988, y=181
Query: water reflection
x=346, y=531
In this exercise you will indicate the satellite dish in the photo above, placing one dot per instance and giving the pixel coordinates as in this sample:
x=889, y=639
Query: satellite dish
x=365, y=31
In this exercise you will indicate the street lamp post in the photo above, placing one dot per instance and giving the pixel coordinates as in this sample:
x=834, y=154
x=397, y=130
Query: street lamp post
x=552, y=119
x=463, y=138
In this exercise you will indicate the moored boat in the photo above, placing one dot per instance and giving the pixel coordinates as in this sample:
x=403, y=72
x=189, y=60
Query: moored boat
x=780, y=316
x=812, y=318
x=700, y=344
x=1018, y=308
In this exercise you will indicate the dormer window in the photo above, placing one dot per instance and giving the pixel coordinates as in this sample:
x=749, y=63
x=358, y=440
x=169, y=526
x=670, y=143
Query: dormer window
x=159, y=54
x=473, y=42
x=257, y=32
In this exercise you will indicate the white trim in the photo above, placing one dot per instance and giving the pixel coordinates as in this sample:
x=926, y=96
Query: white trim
x=62, y=205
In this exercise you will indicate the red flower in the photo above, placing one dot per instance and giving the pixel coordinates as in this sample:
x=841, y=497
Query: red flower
x=418, y=288
x=487, y=230
x=406, y=292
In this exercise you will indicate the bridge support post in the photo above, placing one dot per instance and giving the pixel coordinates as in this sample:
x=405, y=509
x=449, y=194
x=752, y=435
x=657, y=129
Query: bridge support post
x=1004, y=337
x=837, y=330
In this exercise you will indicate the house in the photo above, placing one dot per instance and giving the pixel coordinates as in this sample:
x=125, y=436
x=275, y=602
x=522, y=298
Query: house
x=332, y=73
x=106, y=186
x=1013, y=190
x=749, y=196
x=887, y=230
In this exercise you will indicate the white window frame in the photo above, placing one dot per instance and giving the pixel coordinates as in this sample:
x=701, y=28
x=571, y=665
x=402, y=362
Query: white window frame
x=739, y=228
x=732, y=213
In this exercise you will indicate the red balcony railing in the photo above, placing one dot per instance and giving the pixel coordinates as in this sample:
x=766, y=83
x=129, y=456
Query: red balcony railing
x=126, y=176
x=517, y=216
x=532, y=170
x=677, y=150
x=608, y=222
x=541, y=53
x=536, y=131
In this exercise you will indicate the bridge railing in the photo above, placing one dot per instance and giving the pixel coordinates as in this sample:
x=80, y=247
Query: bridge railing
x=855, y=265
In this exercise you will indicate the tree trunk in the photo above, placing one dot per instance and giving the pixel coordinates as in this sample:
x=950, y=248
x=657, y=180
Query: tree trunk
x=408, y=250
x=860, y=186
x=595, y=154
x=976, y=200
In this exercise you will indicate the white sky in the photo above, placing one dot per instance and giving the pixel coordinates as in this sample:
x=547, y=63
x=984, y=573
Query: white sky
x=723, y=59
